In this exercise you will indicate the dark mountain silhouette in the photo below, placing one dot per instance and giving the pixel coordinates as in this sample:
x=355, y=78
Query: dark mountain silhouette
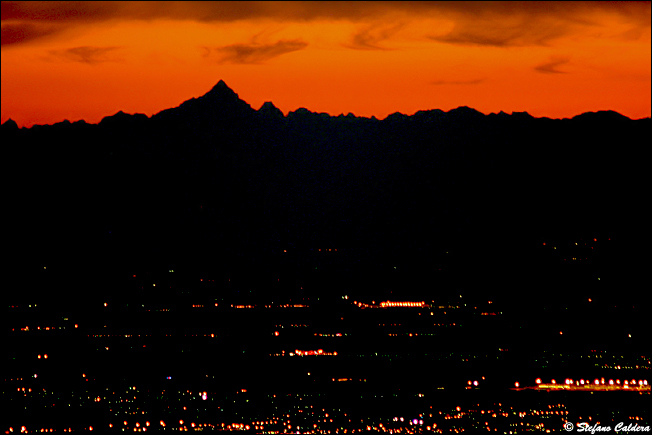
x=269, y=110
x=216, y=181
x=217, y=107
x=602, y=115
x=9, y=125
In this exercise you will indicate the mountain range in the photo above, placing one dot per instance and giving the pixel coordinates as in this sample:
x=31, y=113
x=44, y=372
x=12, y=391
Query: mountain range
x=216, y=181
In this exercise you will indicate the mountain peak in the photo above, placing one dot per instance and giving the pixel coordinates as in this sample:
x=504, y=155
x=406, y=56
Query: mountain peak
x=220, y=94
x=221, y=88
x=219, y=103
x=10, y=124
x=269, y=109
x=268, y=105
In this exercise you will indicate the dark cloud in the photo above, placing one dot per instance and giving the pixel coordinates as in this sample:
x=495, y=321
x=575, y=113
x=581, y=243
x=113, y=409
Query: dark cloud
x=257, y=53
x=551, y=66
x=499, y=24
x=567, y=11
x=308, y=10
x=501, y=35
x=80, y=11
x=25, y=32
x=508, y=24
x=371, y=37
x=88, y=55
x=457, y=82
x=183, y=10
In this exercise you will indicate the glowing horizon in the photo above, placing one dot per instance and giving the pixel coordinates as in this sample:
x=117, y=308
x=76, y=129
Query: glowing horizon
x=88, y=60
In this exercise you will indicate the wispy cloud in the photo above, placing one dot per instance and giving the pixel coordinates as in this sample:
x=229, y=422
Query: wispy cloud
x=371, y=37
x=87, y=54
x=550, y=67
x=254, y=53
x=457, y=82
x=518, y=31
x=25, y=32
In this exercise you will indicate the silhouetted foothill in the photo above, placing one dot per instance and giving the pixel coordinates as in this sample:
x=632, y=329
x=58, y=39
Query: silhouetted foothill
x=124, y=119
x=429, y=115
x=396, y=117
x=305, y=114
x=64, y=124
x=347, y=116
x=601, y=116
x=522, y=116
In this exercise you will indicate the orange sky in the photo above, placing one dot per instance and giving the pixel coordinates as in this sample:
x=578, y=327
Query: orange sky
x=87, y=60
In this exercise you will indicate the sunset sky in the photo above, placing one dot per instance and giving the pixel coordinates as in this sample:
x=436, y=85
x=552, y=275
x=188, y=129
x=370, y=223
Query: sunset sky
x=87, y=60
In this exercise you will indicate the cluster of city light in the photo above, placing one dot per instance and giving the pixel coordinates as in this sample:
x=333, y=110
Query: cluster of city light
x=568, y=382
x=39, y=328
x=288, y=306
x=402, y=304
x=311, y=352
x=390, y=304
x=293, y=325
x=596, y=384
x=416, y=423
